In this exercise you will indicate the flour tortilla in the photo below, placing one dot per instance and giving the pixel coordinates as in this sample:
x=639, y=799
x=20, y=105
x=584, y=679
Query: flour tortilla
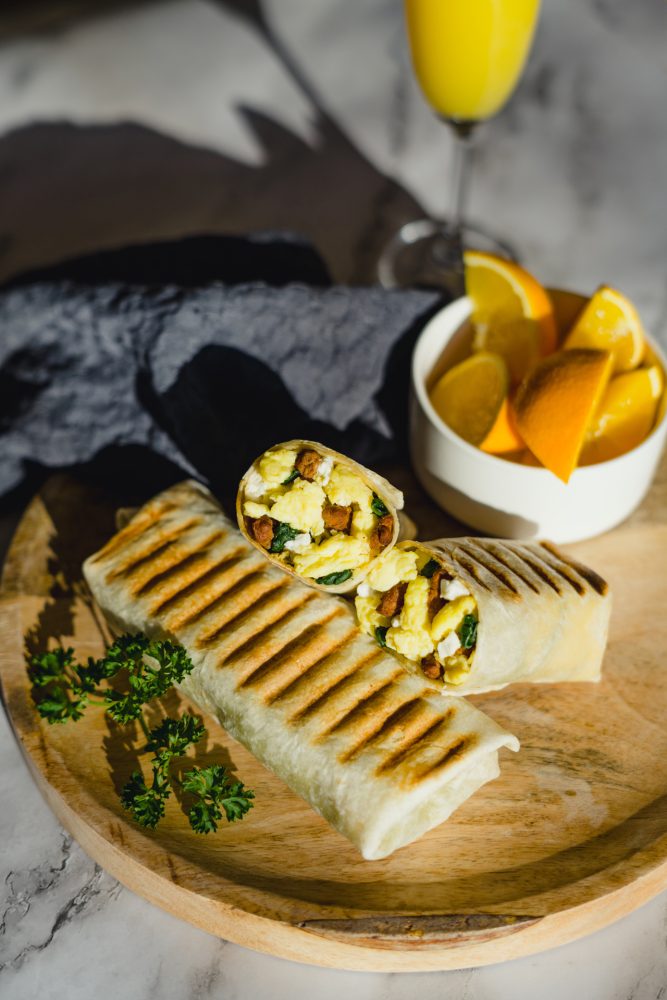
x=543, y=617
x=287, y=672
x=390, y=496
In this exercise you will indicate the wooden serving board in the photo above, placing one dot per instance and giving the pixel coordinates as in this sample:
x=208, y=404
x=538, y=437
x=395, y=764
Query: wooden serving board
x=572, y=835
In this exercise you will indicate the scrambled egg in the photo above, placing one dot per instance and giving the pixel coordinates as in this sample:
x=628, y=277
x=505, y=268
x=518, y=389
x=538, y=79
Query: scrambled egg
x=363, y=522
x=345, y=488
x=456, y=668
x=301, y=507
x=393, y=566
x=450, y=617
x=413, y=645
x=252, y=509
x=275, y=466
x=338, y=552
x=367, y=614
x=411, y=636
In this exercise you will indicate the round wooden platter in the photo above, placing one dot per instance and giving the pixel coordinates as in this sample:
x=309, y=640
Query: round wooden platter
x=571, y=836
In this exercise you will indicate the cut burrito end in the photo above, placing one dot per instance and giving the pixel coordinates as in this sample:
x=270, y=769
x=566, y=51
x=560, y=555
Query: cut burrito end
x=287, y=672
x=474, y=615
x=413, y=602
x=318, y=514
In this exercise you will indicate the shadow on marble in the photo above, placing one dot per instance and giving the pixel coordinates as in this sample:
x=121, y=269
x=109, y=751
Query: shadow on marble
x=113, y=185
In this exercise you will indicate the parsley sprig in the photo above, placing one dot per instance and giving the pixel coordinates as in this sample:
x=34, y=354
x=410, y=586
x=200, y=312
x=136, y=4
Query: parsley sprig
x=216, y=792
x=142, y=669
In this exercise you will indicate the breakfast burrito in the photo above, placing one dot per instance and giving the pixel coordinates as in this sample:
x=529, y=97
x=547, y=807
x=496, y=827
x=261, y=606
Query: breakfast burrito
x=318, y=514
x=476, y=614
x=287, y=671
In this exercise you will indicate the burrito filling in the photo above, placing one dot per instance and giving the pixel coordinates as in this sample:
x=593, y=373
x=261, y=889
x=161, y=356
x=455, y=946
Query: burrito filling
x=411, y=603
x=315, y=515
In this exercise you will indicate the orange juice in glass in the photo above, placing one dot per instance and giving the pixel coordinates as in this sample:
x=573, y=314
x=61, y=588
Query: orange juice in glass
x=468, y=56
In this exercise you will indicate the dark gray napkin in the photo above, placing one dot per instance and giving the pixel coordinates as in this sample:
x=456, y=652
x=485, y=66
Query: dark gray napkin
x=205, y=377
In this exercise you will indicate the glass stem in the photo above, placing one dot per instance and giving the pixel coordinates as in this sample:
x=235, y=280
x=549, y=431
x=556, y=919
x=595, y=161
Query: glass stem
x=460, y=175
x=448, y=251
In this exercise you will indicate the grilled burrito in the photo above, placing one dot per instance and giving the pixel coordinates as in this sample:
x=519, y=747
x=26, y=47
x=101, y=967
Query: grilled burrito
x=476, y=614
x=286, y=670
x=318, y=514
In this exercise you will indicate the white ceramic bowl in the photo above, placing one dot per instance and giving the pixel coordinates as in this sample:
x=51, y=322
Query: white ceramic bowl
x=504, y=498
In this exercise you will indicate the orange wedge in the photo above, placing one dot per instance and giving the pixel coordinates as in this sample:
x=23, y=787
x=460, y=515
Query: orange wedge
x=512, y=312
x=610, y=322
x=504, y=436
x=625, y=415
x=470, y=395
x=555, y=405
x=568, y=306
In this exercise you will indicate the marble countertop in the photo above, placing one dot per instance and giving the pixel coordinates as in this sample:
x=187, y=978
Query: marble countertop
x=165, y=118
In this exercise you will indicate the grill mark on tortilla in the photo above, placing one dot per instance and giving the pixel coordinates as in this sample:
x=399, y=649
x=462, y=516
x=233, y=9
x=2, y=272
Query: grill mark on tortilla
x=221, y=568
x=161, y=544
x=383, y=728
x=139, y=526
x=349, y=679
x=498, y=552
x=249, y=592
x=184, y=561
x=415, y=743
x=289, y=662
x=553, y=562
x=453, y=751
x=253, y=605
x=308, y=679
x=353, y=714
x=538, y=569
x=481, y=558
x=471, y=569
x=585, y=572
x=262, y=637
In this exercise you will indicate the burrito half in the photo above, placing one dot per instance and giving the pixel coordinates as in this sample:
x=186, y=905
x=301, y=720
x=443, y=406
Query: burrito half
x=318, y=514
x=286, y=670
x=476, y=614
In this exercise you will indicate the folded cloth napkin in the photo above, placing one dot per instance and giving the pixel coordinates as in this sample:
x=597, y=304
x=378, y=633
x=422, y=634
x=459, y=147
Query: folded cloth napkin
x=206, y=377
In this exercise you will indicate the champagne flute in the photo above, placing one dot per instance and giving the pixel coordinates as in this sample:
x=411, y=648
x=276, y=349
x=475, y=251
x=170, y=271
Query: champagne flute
x=468, y=56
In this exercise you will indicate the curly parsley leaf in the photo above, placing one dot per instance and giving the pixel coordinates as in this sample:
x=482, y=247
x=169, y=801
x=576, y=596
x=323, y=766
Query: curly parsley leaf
x=174, y=736
x=153, y=667
x=282, y=533
x=331, y=579
x=294, y=474
x=215, y=792
x=468, y=631
x=378, y=506
x=381, y=635
x=429, y=569
x=60, y=685
x=146, y=802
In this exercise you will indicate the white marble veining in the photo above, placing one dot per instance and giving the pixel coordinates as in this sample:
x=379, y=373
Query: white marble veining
x=573, y=172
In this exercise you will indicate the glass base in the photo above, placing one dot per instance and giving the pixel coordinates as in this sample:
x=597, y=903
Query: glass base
x=426, y=254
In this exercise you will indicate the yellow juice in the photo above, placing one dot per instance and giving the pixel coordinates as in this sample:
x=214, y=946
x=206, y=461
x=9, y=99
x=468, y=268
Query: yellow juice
x=468, y=54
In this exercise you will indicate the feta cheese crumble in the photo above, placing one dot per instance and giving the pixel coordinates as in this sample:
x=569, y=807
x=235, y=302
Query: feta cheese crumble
x=451, y=589
x=255, y=486
x=298, y=544
x=323, y=473
x=449, y=645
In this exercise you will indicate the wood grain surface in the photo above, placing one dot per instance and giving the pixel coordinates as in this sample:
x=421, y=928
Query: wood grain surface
x=572, y=835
